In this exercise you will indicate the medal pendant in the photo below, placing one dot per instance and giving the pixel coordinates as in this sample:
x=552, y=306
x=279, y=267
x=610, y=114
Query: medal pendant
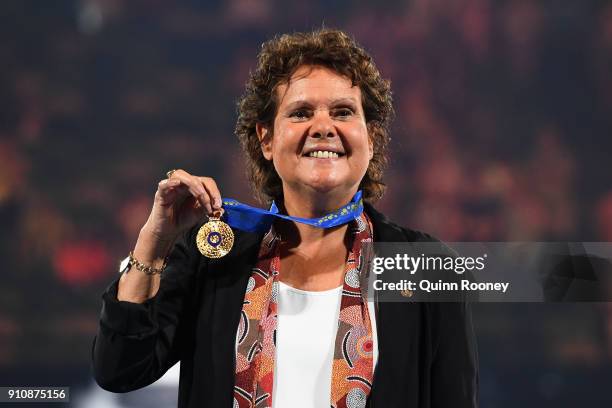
x=215, y=238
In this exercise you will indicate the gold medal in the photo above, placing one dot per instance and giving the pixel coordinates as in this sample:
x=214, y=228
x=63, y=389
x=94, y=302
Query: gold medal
x=215, y=238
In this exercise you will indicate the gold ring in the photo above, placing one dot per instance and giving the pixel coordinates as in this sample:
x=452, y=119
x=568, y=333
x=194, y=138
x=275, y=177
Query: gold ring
x=169, y=173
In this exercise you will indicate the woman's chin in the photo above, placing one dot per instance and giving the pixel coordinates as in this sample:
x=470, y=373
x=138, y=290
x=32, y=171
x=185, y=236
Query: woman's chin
x=326, y=187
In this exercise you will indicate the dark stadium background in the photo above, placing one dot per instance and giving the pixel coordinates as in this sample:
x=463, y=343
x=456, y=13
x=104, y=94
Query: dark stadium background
x=503, y=132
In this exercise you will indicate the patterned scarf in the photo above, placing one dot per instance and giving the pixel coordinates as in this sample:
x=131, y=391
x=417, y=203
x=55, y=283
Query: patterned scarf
x=256, y=338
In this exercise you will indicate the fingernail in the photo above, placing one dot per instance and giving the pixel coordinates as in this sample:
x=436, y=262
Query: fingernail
x=217, y=203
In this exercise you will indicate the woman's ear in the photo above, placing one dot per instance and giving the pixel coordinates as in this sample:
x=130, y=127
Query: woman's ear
x=370, y=147
x=265, y=140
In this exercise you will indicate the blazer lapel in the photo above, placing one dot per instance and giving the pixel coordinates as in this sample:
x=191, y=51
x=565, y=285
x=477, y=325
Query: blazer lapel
x=229, y=277
x=384, y=230
x=397, y=328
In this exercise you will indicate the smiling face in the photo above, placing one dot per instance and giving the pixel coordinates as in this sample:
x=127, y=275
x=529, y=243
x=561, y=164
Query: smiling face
x=320, y=140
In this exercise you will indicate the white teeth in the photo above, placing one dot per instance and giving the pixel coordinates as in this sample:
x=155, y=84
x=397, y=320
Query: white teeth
x=321, y=154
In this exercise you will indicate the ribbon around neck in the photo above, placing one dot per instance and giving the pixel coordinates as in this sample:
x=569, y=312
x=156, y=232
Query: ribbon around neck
x=253, y=219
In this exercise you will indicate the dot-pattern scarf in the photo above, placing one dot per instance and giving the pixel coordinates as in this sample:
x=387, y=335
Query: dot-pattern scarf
x=352, y=368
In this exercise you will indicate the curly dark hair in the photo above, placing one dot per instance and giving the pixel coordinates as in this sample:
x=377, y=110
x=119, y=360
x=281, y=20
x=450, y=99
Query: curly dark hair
x=279, y=58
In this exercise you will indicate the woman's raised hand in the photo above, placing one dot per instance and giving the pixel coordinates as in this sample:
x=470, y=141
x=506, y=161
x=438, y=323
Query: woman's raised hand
x=180, y=202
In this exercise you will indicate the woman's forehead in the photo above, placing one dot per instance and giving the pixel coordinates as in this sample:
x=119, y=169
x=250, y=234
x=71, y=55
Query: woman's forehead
x=317, y=84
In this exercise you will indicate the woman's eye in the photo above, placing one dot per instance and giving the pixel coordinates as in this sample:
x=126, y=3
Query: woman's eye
x=344, y=112
x=299, y=114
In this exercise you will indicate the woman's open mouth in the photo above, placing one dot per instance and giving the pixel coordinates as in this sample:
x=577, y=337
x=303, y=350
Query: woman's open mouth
x=323, y=154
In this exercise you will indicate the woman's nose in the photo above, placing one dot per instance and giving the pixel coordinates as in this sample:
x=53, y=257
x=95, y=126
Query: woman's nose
x=322, y=125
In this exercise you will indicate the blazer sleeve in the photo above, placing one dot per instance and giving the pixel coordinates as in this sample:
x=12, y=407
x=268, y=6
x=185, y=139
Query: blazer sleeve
x=136, y=343
x=454, y=371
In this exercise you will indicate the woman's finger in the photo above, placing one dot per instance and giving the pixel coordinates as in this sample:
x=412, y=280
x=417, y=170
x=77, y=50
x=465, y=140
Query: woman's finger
x=195, y=187
x=166, y=190
x=213, y=191
x=165, y=185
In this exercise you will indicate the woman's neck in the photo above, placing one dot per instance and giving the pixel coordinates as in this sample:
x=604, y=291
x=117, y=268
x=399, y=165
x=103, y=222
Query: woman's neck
x=311, y=206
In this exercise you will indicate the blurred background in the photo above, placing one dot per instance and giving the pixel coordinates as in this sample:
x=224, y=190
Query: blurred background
x=503, y=132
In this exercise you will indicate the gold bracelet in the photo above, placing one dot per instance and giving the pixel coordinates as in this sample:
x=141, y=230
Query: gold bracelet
x=149, y=270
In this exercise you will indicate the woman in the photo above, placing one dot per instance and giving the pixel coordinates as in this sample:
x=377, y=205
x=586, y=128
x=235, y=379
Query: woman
x=280, y=320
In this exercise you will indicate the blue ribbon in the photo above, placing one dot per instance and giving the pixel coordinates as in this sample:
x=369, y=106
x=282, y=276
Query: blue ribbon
x=253, y=219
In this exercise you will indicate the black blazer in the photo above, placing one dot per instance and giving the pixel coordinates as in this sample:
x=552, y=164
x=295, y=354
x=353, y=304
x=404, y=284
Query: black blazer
x=427, y=351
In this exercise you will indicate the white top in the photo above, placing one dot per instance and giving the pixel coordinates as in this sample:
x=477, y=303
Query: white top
x=306, y=333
